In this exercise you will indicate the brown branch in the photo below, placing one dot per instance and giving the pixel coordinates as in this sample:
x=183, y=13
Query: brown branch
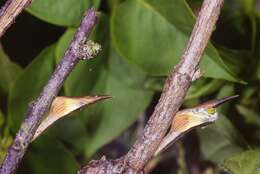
x=9, y=12
x=78, y=49
x=175, y=89
x=176, y=86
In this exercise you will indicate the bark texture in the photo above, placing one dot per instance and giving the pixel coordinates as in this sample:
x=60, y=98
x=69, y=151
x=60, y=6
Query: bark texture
x=41, y=105
x=175, y=89
x=10, y=11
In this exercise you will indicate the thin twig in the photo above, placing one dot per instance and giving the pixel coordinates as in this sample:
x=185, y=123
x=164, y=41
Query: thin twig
x=41, y=105
x=176, y=87
x=10, y=11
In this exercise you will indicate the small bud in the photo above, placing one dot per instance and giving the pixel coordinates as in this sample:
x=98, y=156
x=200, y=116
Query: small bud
x=197, y=75
x=87, y=49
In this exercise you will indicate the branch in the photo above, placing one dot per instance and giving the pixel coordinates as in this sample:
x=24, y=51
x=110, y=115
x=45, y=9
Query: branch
x=176, y=86
x=78, y=48
x=175, y=89
x=10, y=11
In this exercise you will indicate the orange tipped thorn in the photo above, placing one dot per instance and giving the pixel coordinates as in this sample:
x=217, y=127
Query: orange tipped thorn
x=188, y=119
x=62, y=106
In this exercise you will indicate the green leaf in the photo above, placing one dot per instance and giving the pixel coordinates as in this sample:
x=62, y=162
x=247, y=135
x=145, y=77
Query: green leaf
x=203, y=87
x=226, y=90
x=87, y=72
x=199, y=88
x=8, y=72
x=61, y=12
x=220, y=140
x=28, y=86
x=47, y=155
x=5, y=137
x=249, y=114
x=91, y=67
x=129, y=100
x=150, y=35
x=113, y=76
x=155, y=83
x=247, y=162
x=113, y=3
x=257, y=74
x=235, y=59
x=63, y=44
x=2, y=119
x=5, y=142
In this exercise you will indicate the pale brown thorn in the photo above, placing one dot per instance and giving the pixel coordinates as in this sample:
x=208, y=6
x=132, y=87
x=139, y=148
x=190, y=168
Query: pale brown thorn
x=63, y=106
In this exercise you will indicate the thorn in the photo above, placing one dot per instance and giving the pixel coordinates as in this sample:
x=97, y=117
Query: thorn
x=63, y=106
x=217, y=102
x=186, y=120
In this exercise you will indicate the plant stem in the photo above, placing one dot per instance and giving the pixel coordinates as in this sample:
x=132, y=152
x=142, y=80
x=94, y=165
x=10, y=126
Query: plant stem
x=176, y=87
x=9, y=12
x=41, y=105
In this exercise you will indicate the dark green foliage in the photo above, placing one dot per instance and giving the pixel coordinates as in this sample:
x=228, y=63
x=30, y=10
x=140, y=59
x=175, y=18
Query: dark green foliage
x=141, y=42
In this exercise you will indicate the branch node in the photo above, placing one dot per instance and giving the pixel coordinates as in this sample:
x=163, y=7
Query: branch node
x=197, y=75
x=87, y=49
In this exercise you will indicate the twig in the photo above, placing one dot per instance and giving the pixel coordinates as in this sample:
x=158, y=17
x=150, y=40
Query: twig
x=10, y=11
x=41, y=105
x=176, y=86
x=175, y=89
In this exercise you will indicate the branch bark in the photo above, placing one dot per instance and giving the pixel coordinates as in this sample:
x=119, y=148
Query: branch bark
x=176, y=86
x=41, y=105
x=175, y=89
x=9, y=12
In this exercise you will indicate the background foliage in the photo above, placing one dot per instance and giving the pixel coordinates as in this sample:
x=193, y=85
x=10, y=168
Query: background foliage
x=141, y=42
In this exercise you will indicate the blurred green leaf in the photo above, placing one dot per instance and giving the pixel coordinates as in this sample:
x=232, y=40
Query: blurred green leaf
x=235, y=24
x=5, y=142
x=203, y=87
x=89, y=68
x=2, y=119
x=107, y=120
x=248, y=93
x=249, y=114
x=257, y=7
x=28, y=86
x=158, y=49
x=113, y=3
x=80, y=82
x=113, y=76
x=63, y=44
x=9, y=71
x=61, y=12
x=258, y=70
x=226, y=90
x=47, y=155
x=5, y=138
x=235, y=59
x=247, y=162
x=220, y=140
x=129, y=100
x=199, y=88
x=155, y=83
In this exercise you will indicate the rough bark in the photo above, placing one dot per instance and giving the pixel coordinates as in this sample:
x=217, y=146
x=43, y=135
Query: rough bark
x=9, y=12
x=175, y=89
x=41, y=105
